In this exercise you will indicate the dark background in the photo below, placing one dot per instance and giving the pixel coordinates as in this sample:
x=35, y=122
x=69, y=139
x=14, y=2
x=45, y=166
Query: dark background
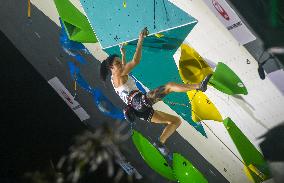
x=36, y=125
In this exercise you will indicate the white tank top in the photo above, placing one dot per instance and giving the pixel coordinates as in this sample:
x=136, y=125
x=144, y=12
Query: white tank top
x=124, y=90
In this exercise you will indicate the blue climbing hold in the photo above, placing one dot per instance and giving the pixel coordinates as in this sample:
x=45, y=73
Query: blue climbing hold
x=101, y=101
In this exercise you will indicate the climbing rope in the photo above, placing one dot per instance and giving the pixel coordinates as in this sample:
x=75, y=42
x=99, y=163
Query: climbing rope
x=167, y=15
x=251, y=167
x=175, y=103
x=154, y=14
x=181, y=104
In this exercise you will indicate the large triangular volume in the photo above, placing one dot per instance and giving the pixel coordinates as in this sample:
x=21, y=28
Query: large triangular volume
x=75, y=23
x=254, y=162
x=157, y=58
x=116, y=22
x=192, y=67
x=200, y=105
x=152, y=156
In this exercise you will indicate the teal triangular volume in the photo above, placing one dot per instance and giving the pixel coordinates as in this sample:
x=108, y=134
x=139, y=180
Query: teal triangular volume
x=157, y=67
x=115, y=22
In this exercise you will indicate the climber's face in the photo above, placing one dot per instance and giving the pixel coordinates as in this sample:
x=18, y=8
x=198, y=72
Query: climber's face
x=116, y=65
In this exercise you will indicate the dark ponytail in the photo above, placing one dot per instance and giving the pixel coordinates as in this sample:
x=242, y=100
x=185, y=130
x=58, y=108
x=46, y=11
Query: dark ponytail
x=104, y=70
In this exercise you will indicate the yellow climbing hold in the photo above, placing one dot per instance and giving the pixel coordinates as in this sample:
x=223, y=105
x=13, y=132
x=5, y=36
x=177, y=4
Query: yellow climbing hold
x=192, y=67
x=202, y=108
x=124, y=4
x=248, y=173
x=159, y=35
x=257, y=172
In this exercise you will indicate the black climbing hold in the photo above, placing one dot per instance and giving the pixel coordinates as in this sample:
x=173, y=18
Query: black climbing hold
x=184, y=163
x=116, y=38
x=208, y=102
x=166, y=164
x=248, y=61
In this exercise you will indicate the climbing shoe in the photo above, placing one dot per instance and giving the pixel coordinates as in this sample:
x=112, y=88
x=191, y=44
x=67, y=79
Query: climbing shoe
x=204, y=83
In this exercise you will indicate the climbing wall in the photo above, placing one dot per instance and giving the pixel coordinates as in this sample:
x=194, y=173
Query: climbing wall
x=158, y=53
x=121, y=21
x=253, y=114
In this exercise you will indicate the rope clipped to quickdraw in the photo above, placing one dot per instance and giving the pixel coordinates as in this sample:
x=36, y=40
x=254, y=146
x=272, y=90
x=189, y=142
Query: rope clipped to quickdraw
x=75, y=86
x=29, y=8
x=29, y=21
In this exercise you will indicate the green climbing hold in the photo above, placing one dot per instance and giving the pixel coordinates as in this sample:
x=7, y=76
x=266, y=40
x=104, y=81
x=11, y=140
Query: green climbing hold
x=152, y=156
x=75, y=23
x=225, y=80
x=252, y=158
x=185, y=172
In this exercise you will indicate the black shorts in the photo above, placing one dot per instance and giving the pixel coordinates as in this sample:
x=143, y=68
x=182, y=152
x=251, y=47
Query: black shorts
x=142, y=107
x=142, y=103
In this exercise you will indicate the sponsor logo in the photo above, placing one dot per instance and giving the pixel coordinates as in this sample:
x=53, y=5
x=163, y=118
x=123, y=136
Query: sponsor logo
x=76, y=107
x=220, y=9
x=66, y=97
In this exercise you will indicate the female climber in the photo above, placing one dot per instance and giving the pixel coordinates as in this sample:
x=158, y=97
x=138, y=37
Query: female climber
x=139, y=104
